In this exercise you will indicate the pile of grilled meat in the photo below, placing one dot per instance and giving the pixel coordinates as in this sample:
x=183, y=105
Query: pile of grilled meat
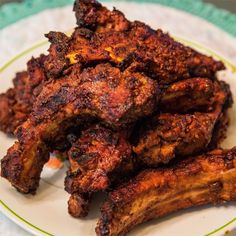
x=139, y=116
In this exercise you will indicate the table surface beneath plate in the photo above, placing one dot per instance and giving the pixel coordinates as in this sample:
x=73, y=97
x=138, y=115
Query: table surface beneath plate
x=225, y=4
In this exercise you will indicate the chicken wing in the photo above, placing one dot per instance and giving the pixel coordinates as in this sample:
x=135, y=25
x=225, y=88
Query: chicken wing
x=209, y=178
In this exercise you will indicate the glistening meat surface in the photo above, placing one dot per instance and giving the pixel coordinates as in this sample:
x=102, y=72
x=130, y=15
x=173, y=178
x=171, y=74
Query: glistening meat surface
x=116, y=98
x=207, y=179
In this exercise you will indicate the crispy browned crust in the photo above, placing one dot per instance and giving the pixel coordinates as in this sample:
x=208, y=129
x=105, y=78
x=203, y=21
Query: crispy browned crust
x=107, y=36
x=220, y=130
x=92, y=15
x=24, y=174
x=104, y=92
x=172, y=135
x=12, y=113
x=188, y=95
x=209, y=178
x=16, y=104
x=55, y=61
x=99, y=158
x=168, y=135
x=94, y=157
x=78, y=204
x=110, y=71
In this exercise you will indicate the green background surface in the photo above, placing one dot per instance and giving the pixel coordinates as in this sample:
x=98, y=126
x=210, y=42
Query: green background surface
x=229, y=5
x=12, y=12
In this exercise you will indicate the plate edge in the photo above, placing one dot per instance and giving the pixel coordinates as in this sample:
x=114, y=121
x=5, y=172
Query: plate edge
x=32, y=229
x=20, y=221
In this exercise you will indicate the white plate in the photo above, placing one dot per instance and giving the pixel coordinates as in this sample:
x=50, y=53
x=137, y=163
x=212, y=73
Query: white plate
x=46, y=212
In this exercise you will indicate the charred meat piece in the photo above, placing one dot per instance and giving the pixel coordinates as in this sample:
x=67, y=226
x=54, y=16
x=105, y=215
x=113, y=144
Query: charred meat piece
x=94, y=157
x=107, y=36
x=92, y=15
x=99, y=158
x=206, y=179
x=139, y=49
x=115, y=97
x=16, y=104
x=78, y=204
x=188, y=95
x=12, y=113
x=167, y=135
x=171, y=135
x=104, y=92
x=219, y=133
x=55, y=61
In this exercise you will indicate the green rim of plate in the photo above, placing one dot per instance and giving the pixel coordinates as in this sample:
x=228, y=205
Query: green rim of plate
x=23, y=220
x=12, y=12
x=25, y=52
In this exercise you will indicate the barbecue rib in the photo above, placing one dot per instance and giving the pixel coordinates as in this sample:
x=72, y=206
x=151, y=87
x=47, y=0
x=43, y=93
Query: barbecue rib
x=139, y=49
x=171, y=135
x=114, y=97
x=125, y=40
x=209, y=178
x=78, y=204
x=188, y=95
x=93, y=158
x=110, y=76
x=12, y=113
x=16, y=104
x=105, y=36
x=97, y=159
x=168, y=135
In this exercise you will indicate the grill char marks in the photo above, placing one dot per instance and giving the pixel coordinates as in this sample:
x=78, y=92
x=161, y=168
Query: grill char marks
x=98, y=159
x=94, y=156
x=206, y=179
x=16, y=104
x=116, y=98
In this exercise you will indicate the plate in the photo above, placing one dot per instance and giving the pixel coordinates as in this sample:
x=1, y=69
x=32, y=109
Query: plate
x=46, y=212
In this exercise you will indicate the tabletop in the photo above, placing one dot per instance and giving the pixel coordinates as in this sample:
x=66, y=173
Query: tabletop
x=229, y=5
